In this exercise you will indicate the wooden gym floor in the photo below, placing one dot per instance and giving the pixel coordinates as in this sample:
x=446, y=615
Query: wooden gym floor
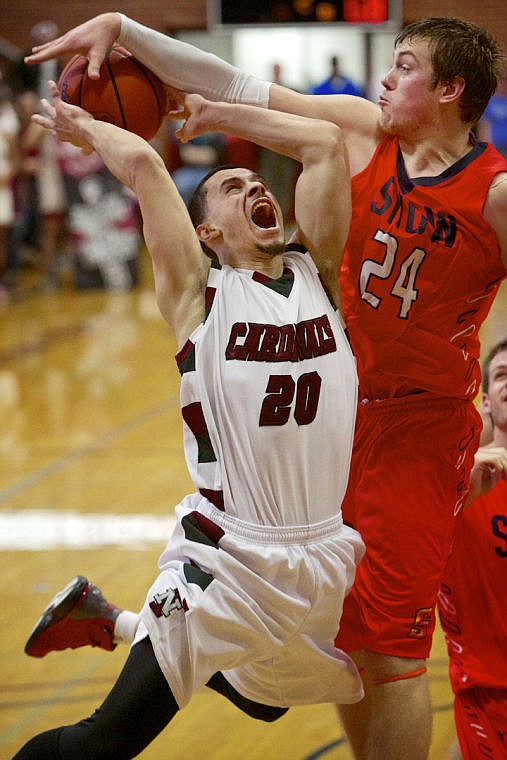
x=91, y=467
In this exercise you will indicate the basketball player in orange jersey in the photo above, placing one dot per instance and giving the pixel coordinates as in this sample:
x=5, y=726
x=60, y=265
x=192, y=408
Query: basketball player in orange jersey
x=471, y=601
x=426, y=253
x=252, y=581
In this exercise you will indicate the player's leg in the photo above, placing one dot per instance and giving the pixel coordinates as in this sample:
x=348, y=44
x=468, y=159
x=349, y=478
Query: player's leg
x=136, y=710
x=403, y=502
x=394, y=718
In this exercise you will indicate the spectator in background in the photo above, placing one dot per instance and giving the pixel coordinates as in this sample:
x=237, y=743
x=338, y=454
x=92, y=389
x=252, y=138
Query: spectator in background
x=493, y=125
x=44, y=207
x=24, y=239
x=471, y=600
x=52, y=204
x=280, y=172
x=41, y=193
x=9, y=155
x=197, y=157
x=336, y=83
x=21, y=77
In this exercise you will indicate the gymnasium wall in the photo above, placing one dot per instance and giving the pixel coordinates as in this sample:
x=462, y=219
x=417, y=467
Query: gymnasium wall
x=20, y=15
x=165, y=15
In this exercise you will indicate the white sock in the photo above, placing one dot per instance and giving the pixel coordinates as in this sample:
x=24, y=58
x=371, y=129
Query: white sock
x=125, y=627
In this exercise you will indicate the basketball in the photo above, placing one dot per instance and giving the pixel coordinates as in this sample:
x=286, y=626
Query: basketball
x=127, y=94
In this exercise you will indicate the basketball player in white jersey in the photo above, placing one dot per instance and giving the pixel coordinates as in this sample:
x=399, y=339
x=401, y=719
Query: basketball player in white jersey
x=252, y=582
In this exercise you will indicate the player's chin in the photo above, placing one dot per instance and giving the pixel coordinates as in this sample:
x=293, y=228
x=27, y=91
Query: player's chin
x=273, y=248
x=389, y=126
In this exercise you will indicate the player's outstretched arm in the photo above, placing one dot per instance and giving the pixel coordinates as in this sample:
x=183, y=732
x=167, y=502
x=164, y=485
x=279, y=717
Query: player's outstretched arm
x=176, y=63
x=180, y=267
x=322, y=203
x=92, y=39
x=190, y=70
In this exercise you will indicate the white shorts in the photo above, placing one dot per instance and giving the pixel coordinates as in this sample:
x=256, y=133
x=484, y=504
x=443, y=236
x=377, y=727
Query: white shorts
x=260, y=604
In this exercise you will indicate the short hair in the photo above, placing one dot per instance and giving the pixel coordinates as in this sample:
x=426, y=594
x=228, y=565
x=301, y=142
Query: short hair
x=497, y=349
x=460, y=48
x=196, y=205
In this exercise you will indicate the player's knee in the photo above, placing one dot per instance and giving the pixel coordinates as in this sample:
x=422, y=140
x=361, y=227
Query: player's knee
x=406, y=676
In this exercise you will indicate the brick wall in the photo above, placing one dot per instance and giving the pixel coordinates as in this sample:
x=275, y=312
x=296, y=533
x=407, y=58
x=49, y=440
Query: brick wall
x=159, y=14
x=191, y=14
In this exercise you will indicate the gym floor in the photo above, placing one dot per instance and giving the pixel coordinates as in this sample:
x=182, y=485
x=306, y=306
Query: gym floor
x=92, y=465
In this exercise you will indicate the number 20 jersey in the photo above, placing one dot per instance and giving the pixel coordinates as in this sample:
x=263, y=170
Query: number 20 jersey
x=269, y=395
x=420, y=272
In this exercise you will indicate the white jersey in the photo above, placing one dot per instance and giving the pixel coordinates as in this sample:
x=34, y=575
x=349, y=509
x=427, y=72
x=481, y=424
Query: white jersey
x=268, y=395
x=253, y=579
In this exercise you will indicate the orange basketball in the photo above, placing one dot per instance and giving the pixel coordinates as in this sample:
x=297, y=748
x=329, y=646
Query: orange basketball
x=127, y=94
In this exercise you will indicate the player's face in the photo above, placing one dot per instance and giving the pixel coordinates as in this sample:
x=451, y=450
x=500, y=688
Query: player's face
x=495, y=401
x=240, y=204
x=408, y=101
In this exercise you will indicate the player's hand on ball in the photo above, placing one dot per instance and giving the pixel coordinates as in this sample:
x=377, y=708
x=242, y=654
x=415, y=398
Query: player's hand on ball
x=194, y=113
x=92, y=38
x=63, y=119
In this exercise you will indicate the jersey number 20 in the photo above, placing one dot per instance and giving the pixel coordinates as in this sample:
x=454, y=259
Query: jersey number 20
x=284, y=394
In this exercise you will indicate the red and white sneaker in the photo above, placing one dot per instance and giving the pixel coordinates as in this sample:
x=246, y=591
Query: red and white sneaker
x=78, y=616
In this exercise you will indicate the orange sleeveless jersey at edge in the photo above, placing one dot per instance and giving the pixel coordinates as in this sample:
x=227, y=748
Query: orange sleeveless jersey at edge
x=420, y=272
x=471, y=600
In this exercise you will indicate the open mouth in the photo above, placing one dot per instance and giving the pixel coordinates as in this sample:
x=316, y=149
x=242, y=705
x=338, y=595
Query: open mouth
x=263, y=215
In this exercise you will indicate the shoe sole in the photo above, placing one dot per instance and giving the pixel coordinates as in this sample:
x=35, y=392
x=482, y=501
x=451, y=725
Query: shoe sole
x=61, y=606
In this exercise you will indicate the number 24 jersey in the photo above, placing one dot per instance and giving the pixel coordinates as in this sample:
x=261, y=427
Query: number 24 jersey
x=421, y=269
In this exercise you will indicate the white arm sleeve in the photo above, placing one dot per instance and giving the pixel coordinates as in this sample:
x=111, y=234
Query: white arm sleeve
x=189, y=69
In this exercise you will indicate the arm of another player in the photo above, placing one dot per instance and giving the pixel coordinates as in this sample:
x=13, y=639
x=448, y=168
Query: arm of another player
x=490, y=466
x=186, y=68
x=179, y=265
x=92, y=39
x=176, y=63
x=322, y=203
x=358, y=118
x=191, y=70
x=495, y=212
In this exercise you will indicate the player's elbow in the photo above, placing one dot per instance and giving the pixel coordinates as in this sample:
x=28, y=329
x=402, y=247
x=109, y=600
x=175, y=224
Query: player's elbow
x=145, y=166
x=326, y=143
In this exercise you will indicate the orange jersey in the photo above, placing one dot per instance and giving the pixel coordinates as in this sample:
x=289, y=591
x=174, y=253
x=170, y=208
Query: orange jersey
x=420, y=272
x=472, y=595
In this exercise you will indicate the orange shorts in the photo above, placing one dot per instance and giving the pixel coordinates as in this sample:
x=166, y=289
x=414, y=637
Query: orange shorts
x=409, y=477
x=481, y=723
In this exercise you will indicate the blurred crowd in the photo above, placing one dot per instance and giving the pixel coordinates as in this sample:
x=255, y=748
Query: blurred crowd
x=64, y=219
